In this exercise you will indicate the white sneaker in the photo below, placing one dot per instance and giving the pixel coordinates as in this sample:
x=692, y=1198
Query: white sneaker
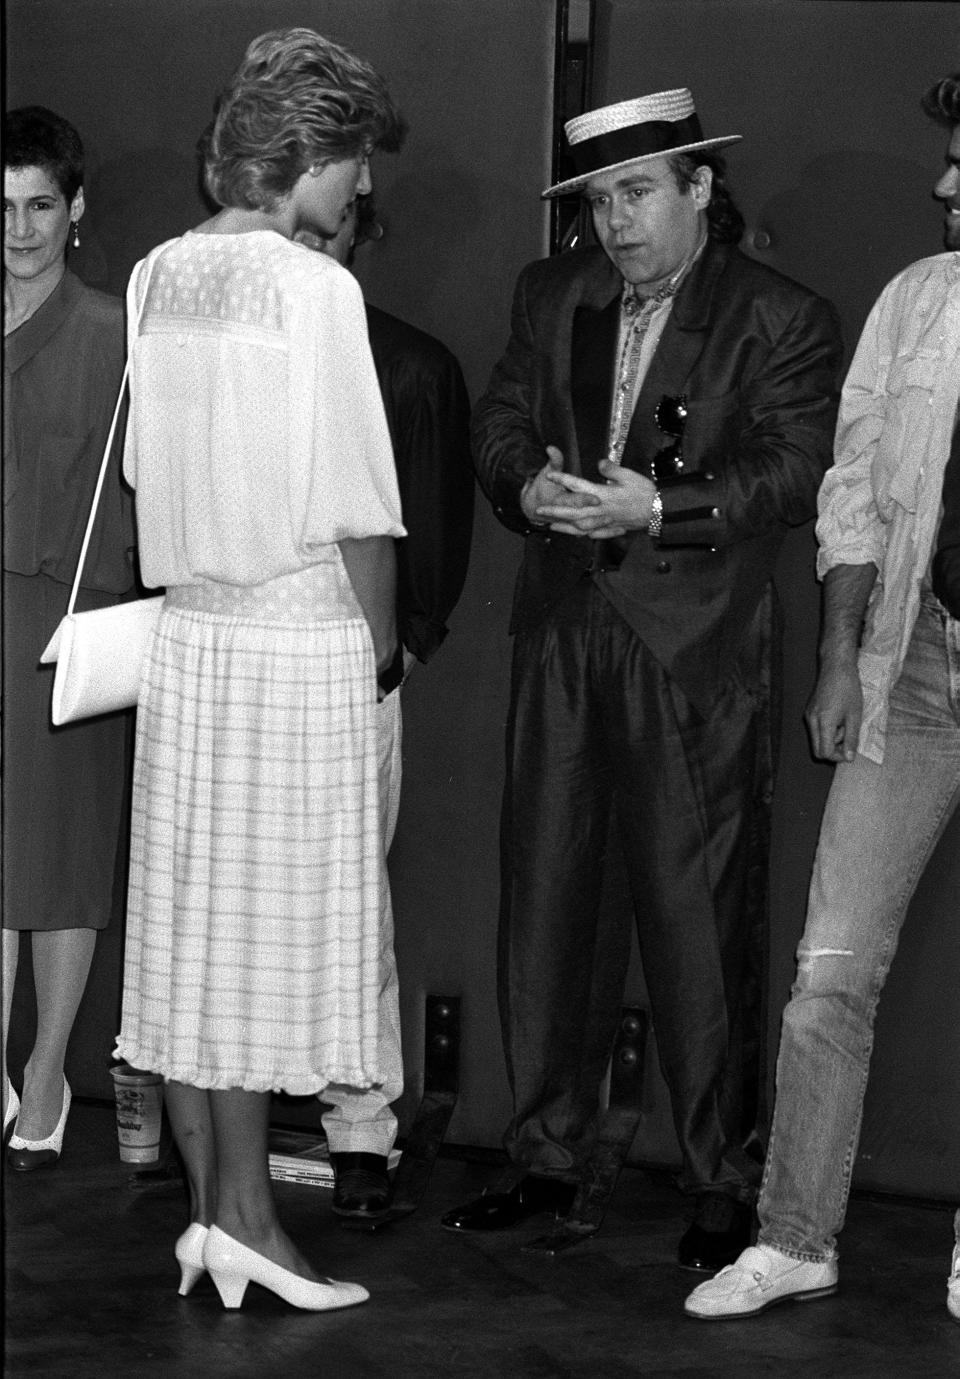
x=953, y=1282
x=759, y=1278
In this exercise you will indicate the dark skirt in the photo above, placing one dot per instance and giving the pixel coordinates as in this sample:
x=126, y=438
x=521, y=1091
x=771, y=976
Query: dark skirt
x=64, y=789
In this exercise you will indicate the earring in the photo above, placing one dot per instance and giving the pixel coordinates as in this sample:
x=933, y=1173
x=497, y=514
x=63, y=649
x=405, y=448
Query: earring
x=76, y=234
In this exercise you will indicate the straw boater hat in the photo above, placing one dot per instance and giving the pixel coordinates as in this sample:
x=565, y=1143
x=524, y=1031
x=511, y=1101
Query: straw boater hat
x=615, y=135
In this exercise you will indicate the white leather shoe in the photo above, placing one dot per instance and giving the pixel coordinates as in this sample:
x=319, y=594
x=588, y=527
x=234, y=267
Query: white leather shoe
x=26, y=1155
x=189, y=1253
x=232, y=1266
x=759, y=1278
x=953, y=1282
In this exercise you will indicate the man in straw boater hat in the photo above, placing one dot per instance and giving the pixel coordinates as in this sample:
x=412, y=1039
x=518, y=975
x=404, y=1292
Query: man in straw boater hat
x=662, y=415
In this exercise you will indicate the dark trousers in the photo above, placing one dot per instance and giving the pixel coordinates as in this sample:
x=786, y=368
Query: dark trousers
x=597, y=732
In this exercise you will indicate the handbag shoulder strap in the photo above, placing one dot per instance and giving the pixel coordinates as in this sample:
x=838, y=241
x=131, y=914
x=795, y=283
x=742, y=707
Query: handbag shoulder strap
x=110, y=435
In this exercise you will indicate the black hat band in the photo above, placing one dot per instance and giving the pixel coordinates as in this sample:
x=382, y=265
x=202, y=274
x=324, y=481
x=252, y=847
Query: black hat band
x=634, y=141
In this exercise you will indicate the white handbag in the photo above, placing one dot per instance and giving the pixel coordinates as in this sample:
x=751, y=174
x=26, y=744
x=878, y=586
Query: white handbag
x=100, y=653
x=99, y=656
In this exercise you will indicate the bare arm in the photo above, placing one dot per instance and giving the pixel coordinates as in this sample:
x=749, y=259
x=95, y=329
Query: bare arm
x=371, y=565
x=835, y=709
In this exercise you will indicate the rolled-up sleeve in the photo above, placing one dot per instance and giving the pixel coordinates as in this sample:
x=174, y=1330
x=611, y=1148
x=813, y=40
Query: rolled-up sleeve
x=850, y=530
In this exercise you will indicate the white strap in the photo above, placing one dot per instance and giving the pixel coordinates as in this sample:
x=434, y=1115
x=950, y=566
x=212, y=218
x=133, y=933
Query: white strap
x=109, y=446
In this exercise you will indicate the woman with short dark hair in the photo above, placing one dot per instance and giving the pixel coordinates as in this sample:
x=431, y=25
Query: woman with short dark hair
x=266, y=503
x=62, y=787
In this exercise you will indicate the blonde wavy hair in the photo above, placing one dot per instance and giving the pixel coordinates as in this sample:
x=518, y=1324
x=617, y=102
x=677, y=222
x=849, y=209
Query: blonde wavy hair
x=297, y=101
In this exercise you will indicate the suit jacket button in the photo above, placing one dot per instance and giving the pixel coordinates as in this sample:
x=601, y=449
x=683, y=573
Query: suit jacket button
x=663, y=567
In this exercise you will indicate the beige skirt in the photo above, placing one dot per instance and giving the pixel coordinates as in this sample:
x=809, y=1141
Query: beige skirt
x=257, y=875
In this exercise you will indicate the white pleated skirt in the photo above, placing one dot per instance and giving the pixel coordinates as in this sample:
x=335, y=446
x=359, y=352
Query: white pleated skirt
x=257, y=874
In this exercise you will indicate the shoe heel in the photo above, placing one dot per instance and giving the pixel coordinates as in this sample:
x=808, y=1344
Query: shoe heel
x=231, y=1287
x=189, y=1273
x=189, y=1255
x=11, y=1113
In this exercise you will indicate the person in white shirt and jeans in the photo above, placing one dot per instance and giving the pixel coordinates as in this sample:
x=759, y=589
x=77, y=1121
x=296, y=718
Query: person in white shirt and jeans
x=886, y=709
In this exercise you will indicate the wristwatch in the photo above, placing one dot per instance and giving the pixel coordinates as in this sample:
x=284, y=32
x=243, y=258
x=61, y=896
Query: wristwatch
x=656, y=516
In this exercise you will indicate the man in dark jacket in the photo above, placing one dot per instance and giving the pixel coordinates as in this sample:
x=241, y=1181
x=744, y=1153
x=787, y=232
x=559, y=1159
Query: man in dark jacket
x=428, y=413
x=662, y=415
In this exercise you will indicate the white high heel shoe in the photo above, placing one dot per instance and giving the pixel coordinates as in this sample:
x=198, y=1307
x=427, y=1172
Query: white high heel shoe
x=232, y=1266
x=189, y=1253
x=11, y=1112
x=24, y=1155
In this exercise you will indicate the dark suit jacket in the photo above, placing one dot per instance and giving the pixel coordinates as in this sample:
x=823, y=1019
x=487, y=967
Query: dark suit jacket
x=757, y=357
x=61, y=376
x=428, y=413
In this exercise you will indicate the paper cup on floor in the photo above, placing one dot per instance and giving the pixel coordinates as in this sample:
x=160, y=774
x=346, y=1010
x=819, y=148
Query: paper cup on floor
x=139, y=1113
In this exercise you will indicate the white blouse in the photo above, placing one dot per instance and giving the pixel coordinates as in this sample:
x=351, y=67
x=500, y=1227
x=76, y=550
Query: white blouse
x=257, y=437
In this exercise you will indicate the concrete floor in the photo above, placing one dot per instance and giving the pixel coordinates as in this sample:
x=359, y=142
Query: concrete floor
x=91, y=1291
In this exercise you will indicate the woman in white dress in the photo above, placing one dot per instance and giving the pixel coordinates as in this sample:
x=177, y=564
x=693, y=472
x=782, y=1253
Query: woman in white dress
x=266, y=503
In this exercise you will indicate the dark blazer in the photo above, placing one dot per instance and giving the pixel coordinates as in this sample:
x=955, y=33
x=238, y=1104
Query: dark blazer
x=757, y=356
x=428, y=413
x=61, y=377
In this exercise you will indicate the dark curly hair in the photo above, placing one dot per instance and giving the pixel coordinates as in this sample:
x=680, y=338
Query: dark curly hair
x=35, y=137
x=942, y=101
x=725, y=224
x=296, y=100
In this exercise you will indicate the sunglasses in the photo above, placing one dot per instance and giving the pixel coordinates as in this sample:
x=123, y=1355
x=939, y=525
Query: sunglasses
x=671, y=417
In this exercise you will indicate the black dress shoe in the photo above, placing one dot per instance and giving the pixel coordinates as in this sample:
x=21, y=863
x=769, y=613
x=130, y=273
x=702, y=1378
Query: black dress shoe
x=361, y=1184
x=496, y=1211
x=721, y=1230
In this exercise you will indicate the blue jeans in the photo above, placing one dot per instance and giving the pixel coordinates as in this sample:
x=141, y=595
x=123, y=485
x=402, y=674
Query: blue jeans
x=880, y=827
